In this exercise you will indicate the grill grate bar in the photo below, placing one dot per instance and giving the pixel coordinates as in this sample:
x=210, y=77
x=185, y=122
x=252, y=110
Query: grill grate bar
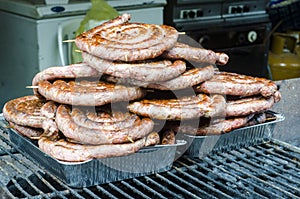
x=161, y=187
x=228, y=172
x=6, y=193
x=138, y=182
x=231, y=168
x=177, y=186
x=190, y=185
x=272, y=160
x=237, y=154
x=280, y=157
x=101, y=189
x=269, y=170
x=91, y=193
x=17, y=185
x=57, y=193
x=248, y=167
x=134, y=189
x=119, y=190
x=198, y=173
x=54, y=194
x=283, y=153
x=210, y=187
x=10, y=151
x=286, y=145
x=34, y=171
x=13, y=166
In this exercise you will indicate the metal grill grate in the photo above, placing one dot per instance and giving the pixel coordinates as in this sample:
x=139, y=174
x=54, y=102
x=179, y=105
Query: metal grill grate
x=270, y=170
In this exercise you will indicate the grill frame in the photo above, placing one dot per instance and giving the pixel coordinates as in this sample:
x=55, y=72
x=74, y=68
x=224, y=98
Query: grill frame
x=213, y=176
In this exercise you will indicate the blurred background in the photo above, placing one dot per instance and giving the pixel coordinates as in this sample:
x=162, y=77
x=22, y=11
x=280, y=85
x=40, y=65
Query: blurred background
x=261, y=37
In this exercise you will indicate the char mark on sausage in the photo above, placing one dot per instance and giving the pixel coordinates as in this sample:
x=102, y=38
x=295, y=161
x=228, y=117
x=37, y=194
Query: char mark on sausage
x=168, y=137
x=80, y=133
x=60, y=72
x=152, y=139
x=214, y=126
x=127, y=41
x=87, y=93
x=180, y=109
x=227, y=83
x=258, y=118
x=184, y=51
x=56, y=146
x=30, y=132
x=249, y=105
x=24, y=111
x=48, y=110
x=144, y=70
x=187, y=79
x=118, y=120
x=122, y=19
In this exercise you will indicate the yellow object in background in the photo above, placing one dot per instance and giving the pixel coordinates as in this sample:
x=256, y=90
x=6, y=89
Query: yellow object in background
x=100, y=11
x=284, y=59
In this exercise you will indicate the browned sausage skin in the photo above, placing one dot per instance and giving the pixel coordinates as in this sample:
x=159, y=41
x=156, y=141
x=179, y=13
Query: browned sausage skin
x=180, y=109
x=216, y=126
x=59, y=148
x=58, y=72
x=80, y=133
x=148, y=71
x=249, y=105
x=187, y=79
x=120, y=41
x=237, y=84
x=184, y=51
x=88, y=93
x=30, y=132
x=24, y=111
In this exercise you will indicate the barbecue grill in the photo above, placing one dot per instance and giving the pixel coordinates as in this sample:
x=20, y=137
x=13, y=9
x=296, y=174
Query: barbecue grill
x=269, y=169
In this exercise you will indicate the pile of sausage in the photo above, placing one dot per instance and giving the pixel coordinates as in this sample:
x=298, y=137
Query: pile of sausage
x=134, y=77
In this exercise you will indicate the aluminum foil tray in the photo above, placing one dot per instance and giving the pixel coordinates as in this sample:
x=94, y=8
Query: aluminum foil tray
x=148, y=160
x=200, y=146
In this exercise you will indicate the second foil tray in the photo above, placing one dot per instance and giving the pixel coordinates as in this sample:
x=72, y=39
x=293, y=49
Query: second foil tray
x=200, y=146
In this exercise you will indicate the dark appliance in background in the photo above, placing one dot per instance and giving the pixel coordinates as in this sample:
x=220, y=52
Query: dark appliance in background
x=239, y=28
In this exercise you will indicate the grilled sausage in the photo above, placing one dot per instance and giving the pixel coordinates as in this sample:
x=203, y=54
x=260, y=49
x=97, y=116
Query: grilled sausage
x=121, y=41
x=122, y=19
x=87, y=93
x=237, y=84
x=246, y=106
x=180, y=109
x=57, y=147
x=24, y=111
x=70, y=71
x=152, y=139
x=118, y=120
x=144, y=71
x=48, y=110
x=30, y=132
x=188, y=79
x=184, y=51
x=214, y=127
x=168, y=137
x=82, y=134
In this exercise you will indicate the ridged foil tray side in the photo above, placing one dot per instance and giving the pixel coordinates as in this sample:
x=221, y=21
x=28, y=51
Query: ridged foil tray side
x=148, y=160
x=200, y=146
